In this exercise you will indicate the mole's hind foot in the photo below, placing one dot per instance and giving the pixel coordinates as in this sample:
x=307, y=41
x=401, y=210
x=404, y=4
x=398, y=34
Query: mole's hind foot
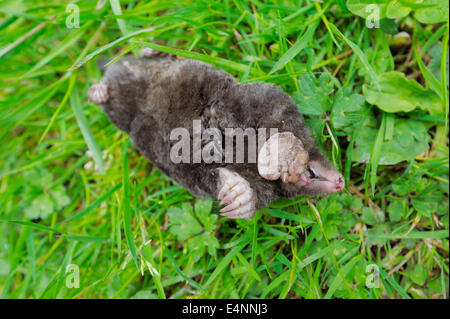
x=149, y=53
x=237, y=193
x=98, y=93
x=282, y=156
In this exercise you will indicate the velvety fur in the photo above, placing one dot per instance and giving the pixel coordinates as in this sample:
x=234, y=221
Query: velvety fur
x=148, y=97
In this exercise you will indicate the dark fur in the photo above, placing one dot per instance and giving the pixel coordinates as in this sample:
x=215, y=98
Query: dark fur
x=151, y=96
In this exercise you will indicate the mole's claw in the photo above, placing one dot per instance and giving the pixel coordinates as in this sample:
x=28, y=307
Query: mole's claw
x=282, y=155
x=245, y=211
x=237, y=192
x=228, y=198
x=229, y=181
x=98, y=93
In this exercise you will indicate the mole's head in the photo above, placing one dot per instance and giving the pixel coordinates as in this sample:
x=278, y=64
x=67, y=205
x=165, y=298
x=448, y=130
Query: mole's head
x=297, y=165
x=317, y=178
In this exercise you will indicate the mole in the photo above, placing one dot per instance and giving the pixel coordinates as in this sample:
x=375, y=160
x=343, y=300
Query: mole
x=157, y=94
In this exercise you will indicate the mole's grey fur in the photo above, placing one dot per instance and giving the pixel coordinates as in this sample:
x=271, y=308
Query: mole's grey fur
x=150, y=96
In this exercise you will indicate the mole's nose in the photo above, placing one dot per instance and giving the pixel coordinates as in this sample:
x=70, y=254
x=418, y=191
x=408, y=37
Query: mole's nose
x=340, y=183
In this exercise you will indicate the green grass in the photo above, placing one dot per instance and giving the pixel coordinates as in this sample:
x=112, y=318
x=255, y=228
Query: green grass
x=74, y=190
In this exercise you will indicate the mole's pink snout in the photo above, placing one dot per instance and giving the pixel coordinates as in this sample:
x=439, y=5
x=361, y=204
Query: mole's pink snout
x=340, y=183
x=321, y=178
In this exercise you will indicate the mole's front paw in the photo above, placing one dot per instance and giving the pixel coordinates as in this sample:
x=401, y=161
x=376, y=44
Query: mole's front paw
x=282, y=155
x=237, y=193
x=98, y=93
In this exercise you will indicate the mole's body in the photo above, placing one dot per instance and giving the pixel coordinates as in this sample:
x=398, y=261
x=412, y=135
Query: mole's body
x=151, y=96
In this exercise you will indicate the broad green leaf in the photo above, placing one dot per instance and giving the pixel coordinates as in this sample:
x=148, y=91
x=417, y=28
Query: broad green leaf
x=345, y=108
x=410, y=139
x=366, y=8
x=425, y=207
x=419, y=274
x=433, y=11
x=389, y=26
x=398, y=94
x=396, y=210
x=396, y=10
x=429, y=11
x=368, y=216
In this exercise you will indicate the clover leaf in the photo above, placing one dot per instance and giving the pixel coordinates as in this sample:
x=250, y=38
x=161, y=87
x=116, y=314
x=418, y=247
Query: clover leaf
x=40, y=198
x=40, y=207
x=313, y=96
x=195, y=227
x=431, y=11
x=346, y=107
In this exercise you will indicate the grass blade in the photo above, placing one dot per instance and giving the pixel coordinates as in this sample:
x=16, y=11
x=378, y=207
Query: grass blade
x=84, y=127
x=70, y=40
x=293, y=51
x=126, y=204
x=224, y=263
x=394, y=284
x=376, y=153
x=226, y=64
x=360, y=55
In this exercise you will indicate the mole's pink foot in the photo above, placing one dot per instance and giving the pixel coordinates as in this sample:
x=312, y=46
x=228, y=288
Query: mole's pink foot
x=237, y=193
x=98, y=93
x=282, y=156
x=150, y=53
